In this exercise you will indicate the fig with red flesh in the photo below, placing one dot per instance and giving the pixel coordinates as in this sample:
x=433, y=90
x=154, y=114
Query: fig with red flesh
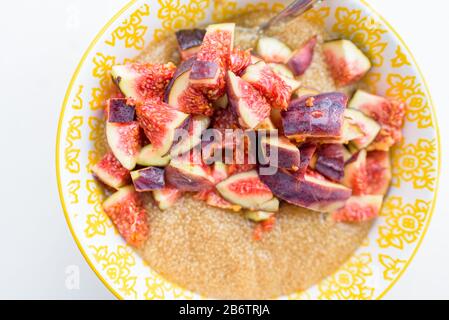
x=110, y=171
x=149, y=156
x=269, y=84
x=378, y=168
x=356, y=176
x=347, y=63
x=389, y=114
x=251, y=107
x=126, y=211
x=312, y=191
x=143, y=81
x=189, y=42
x=184, y=97
x=187, y=175
x=124, y=139
x=288, y=155
x=273, y=50
x=285, y=74
x=148, y=179
x=302, y=58
x=239, y=60
x=159, y=122
x=215, y=200
x=367, y=127
x=330, y=161
x=245, y=189
x=192, y=138
x=209, y=71
x=320, y=116
x=359, y=209
x=165, y=198
x=120, y=111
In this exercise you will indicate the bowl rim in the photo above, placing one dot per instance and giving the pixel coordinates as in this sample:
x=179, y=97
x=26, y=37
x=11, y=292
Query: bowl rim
x=113, y=19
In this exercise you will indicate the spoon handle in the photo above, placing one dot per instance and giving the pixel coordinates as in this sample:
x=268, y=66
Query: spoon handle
x=293, y=10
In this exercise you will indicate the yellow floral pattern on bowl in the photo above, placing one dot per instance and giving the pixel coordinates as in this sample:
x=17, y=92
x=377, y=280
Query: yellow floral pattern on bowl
x=396, y=235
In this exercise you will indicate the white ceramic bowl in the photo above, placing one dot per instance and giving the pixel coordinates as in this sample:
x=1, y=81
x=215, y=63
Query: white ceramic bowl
x=397, y=234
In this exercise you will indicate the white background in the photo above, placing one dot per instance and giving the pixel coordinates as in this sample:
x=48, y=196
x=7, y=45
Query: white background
x=41, y=43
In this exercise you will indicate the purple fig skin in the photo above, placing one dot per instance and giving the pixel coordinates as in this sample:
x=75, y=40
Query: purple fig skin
x=323, y=119
x=119, y=111
x=287, y=158
x=149, y=179
x=186, y=182
x=307, y=150
x=302, y=58
x=302, y=193
x=330, y=161
x=184, y=67
x=204, y=70
x=190, y=38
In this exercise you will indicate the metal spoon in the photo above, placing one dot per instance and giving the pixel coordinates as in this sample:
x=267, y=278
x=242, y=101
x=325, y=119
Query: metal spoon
x=293, y=10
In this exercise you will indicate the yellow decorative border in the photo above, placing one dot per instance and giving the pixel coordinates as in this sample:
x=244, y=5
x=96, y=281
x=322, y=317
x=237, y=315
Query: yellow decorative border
x=95, y=41
x=437, y=129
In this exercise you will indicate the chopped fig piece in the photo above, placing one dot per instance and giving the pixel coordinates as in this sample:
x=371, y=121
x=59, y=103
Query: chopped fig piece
x=166, y=197
x=240, y=60
x=269, y=84
x=359, y=209
x=320, y=116
x=127, y=213
x=302, y=58
x=366, y=126
x=124, y=140
x=159, y=122
x=267, y=125
x=245, y=189
x=288, y=156
x=247, y=102
x=197, y=125
x=143, y=81
x=281, y=70
x=389, y=114
x=220, y=172
x=111, y=172
x=184, y=97
x=312, y=191
x=307, y=151
x=347, y=154
x=215, y=200
x=271, y=206
x=347, y=63
x=221, y=102
x=225, y=119
x=255, y=59
x=186, y=175
x=356, y=175
x=258, y=216
x=285, y=74
x=276, y=118
x=378, y=169
x=205, y=73
x=209, y=71
x=330, y=161
x=149, y=156
x=148, y=179
x=189, y=42
x=305, y=92
x=273, y=50
x=119, y=111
